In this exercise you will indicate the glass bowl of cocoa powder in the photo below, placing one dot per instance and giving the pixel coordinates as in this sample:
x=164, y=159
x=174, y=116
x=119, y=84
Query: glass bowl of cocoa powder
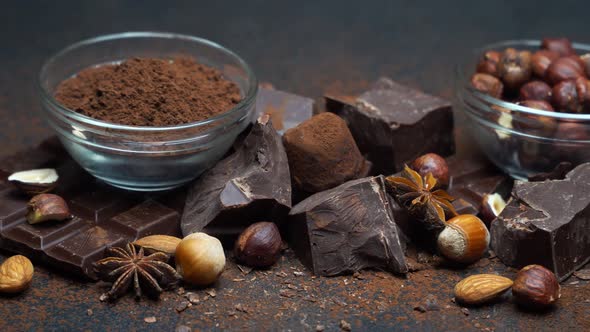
x=147, y=111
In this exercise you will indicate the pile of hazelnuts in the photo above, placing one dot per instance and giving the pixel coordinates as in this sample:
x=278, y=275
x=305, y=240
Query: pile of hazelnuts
x=553, y=78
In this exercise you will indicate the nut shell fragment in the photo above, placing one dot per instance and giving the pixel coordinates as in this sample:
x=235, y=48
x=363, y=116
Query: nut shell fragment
x=35, y=181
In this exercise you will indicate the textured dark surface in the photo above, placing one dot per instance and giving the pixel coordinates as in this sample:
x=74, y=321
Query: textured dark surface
x=308, y=48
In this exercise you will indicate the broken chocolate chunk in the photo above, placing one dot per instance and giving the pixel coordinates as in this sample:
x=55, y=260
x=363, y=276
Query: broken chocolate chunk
x=286, y=110
x=557, y=173
x=347, y=229
x=250, y=185
x=322, y=154
x=546, y=223
x=472, y=179
x=393, y=124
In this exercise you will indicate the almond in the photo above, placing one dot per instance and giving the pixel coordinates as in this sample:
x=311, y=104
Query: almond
x=16, y=274
x=164, y=243
x=481, y=288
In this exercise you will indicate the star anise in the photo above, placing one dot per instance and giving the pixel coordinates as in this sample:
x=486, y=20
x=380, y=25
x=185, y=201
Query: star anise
x=127, y=266
x=419, y=197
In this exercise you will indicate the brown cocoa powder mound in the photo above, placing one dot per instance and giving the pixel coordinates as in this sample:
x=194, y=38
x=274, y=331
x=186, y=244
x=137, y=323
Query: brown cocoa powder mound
x=149, y=92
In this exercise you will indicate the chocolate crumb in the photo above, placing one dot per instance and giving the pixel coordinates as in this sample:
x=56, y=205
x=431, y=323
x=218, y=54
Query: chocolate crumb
x=89, y=312
x=320, y=328
x=182, y=306
x=465, y=311
x=192, y=298
x=182, y=328
x=180, y=291
x=211, y=292
x=420, y=308
x=150, y=319
x=345, y=326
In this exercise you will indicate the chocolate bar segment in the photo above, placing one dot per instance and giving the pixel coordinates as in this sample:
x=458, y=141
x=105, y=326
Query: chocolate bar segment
x=102, y=216
x=286, y=110
x=546, y=223
x=393, y=124
x=471, y=179
x=347, y=229
x=250, y=185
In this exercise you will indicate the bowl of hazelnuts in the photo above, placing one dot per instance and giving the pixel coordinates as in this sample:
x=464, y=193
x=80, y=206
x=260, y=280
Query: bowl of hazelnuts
x=527, y=103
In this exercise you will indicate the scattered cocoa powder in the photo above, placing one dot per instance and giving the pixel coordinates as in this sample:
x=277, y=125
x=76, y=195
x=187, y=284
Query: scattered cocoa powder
x=149, y=92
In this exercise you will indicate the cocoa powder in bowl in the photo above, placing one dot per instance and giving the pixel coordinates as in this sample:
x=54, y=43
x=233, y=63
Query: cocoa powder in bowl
x=149, y=92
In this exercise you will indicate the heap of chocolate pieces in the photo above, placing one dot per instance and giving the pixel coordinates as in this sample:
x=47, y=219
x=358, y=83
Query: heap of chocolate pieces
x=393, y=124
x=252, y=184
x=546, y=223
x=346, y=229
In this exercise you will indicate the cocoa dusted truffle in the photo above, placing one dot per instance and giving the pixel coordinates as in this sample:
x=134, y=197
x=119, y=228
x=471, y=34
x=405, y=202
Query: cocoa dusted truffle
x=323, y=154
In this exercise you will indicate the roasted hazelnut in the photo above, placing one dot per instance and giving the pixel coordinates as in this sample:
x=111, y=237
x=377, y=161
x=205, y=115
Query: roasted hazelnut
x=514, y=68
x=562, y=69
x=200, y=259
x=464, y=239
x=572, y=131
x=586, y=61
x=491, y=207
x=572, y=96
x=541, y=60
x=535, y=90
x=45, y=207
x=488, y=64
x=259, y=245
x=536, y=104
x=487, y=84
x=561, y=46
x=435, y=164
x=536, y=287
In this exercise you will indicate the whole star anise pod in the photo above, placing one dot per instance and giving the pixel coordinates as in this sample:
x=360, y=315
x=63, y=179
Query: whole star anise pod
x=419, y=196
x=125, y=266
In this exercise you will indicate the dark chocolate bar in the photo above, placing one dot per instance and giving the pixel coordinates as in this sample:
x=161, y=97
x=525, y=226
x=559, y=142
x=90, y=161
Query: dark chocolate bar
x=286, y=110
x=102, y=216
x=393, y=124
x=546, y=223
x=252, y=184
x=346, y=229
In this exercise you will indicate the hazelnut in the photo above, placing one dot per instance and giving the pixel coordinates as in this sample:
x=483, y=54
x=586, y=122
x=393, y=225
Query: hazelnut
x=571, y=131
x=566, y=68
x=515, y=68
x=432, y=163
x=535, y=286
x=536, y=104
x=488, y=64
x=259, y=245
x=491, y=207
x=535, y=90
x=543, y=126
x=541, y=60
x=487, y=84
x=45, y=207
x=200, y=259
x=572, y=96
x=561, y=46
x=586, y=61
x=464, y=239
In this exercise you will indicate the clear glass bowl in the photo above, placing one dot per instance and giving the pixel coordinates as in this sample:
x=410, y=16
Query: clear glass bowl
x=146, y=158
x=520, y=140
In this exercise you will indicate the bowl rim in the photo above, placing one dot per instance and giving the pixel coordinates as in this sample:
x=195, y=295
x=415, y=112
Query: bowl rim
x=248, y=99
x=513, y=107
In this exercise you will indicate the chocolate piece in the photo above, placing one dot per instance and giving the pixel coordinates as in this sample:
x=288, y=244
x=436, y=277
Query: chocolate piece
x=471, y=180
x=250, y=185
x=393, y=124
x=103, y=216
x=286, y=110
x=546, y=223
x=557, y=173
x=322, y=154
x=347, y=229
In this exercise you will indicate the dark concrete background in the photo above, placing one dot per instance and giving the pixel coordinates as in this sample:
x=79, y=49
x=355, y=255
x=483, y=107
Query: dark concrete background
x=306, y=47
